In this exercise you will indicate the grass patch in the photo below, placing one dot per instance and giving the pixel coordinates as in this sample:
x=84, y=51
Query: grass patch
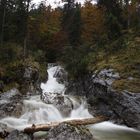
x=130, y=85
x=126, y=61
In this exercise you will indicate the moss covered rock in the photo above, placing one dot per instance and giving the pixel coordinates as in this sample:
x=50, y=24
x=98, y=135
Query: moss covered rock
x=25, y=75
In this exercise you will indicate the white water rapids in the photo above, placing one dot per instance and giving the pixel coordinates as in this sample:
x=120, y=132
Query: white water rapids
x=37, y=112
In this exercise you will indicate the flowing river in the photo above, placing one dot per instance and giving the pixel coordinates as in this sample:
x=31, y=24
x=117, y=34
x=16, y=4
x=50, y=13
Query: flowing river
x=35, y=111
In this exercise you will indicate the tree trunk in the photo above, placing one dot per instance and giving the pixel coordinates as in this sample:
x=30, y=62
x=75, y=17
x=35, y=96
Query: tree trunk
x=24, y=48
x=46, y=127
x=128, y=14
x=3, y=24
x=26, y=31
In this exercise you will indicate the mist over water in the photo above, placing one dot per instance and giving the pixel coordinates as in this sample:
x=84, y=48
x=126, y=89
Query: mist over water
x=35, y=111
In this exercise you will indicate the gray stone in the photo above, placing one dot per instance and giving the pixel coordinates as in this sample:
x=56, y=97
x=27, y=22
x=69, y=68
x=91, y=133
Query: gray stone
x=49, y=98
x=10, y=103
x=3, y=130
x=29, y=80
x=16, y=135
x=122, y=107
x=105, y=76
x=61, y=75
x=68, y=132
x=62, y=103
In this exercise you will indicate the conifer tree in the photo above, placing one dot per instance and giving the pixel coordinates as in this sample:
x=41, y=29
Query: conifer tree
x=71, y=21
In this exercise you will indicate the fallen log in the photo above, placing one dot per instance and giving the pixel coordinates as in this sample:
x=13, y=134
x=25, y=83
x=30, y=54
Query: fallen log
x=75, y=122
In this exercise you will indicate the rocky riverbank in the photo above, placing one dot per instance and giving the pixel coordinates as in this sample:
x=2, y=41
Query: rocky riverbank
x=62, y=132
x=121, y=107
x=96, y=89
x=11, y=103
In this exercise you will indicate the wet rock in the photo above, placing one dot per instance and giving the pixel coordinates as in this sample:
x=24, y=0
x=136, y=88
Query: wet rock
x=3, y=130
x=123, y=107
x=29, y=80
x=127, y=107
x=61, y=75
x=67, y=132
x=49, y=98
x=41, y=135
x=9, y=94
x=105, y=76
x=62, y=103
x=16, y=135
x=120, y=106
x=10, y=103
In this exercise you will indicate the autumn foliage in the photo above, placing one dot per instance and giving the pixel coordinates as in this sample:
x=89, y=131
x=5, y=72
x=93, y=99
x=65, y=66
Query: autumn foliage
x=74, y=34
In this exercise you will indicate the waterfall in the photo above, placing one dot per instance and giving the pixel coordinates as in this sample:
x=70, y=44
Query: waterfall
x=52, y=85
x=34, y=112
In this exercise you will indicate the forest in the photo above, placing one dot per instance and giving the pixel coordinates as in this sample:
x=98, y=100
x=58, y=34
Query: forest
x=70, y=72
x=83, y=38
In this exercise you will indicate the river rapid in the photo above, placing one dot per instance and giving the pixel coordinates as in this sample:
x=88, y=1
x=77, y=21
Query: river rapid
x=35, y=111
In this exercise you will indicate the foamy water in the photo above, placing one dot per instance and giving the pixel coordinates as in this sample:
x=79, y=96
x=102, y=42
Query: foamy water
x=52, y=85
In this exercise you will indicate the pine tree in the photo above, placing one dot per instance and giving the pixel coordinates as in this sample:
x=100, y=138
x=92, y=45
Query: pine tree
x=3, y=4
x=22, y=14
x=71, y=22
x=113, y=16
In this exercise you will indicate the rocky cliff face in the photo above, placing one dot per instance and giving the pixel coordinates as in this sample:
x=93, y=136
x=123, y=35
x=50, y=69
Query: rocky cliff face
x=122, y=107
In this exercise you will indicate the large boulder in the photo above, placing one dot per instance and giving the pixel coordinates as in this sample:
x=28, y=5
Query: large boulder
x=28, y=80
x=105, y=76
x=62, y=103
x=17, y=135
x=68, y=132
x=10, y=103
x=124, y=107
x=25, y=75
x=127, y=107
x=3, y=130
x=49, y=98
x=61, y=75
